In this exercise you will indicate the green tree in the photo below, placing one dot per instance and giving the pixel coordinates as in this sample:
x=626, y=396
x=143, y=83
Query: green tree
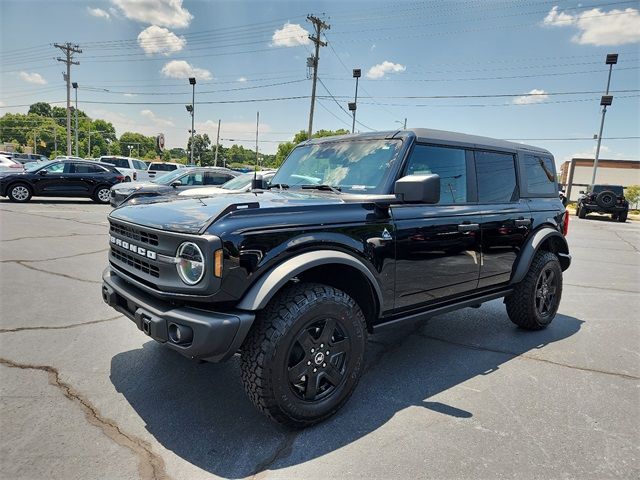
x=632, y=194
x=284, y=149
x=141, y=144
x=201, y=144
x=40, y=108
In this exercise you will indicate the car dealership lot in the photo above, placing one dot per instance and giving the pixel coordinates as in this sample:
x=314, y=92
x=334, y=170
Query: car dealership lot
x=466, y=395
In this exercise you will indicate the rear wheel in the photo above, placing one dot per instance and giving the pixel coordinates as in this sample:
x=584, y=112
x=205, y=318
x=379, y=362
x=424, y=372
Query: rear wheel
x=622, y=217
x=127, y=179
x=20, y=192
x=582, y=213
x=535, y=300
x=304, y=356
x=102, y=194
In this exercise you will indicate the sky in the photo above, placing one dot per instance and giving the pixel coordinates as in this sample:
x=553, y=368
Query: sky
x=527, y=70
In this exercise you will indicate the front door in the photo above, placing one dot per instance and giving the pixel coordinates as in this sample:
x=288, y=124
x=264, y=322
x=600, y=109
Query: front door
x=437, y=246
x=50, y=179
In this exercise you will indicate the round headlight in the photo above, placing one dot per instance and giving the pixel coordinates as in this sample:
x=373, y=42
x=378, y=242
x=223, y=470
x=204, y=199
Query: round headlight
x=190, y=263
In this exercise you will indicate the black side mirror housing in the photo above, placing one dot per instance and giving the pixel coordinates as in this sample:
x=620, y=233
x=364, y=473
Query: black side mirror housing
x=177, y=183
x=42, y=172
x=418, y=189
x=258, y=183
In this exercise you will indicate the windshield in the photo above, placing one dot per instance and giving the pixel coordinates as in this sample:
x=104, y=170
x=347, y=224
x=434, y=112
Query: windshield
x=167, y=178
x=33, y=166
x=357, y=166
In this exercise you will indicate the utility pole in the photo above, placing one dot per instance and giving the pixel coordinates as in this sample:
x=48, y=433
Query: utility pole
x=75, y=88
x=35, y=147
x=257, y=127
x=55, y=138
x=405, y=123
x=68, y=49
x=89, y=139
x=318, y=26
x=215, y=159
x=611, y=60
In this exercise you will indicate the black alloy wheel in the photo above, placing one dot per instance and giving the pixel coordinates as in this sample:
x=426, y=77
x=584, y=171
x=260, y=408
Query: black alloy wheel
x=317, y=360
x=546, y=289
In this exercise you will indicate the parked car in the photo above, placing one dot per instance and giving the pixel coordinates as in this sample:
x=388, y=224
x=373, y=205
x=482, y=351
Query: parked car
x=398, y=227
x=65, y=178
x=241, y=183
x=162, y=167
x=132, y=168
x=8, y=164
x=29, y=157
x=171, y=183
x=607, y=199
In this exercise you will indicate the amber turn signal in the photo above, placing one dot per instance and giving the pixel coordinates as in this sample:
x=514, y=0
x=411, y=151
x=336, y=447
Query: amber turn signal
x=217, y=263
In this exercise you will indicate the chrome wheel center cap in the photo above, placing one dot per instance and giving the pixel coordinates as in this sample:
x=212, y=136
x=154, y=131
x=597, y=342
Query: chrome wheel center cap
x=319, y=358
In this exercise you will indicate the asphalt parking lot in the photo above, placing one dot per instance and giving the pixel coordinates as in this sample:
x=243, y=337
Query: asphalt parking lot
x=85, y=395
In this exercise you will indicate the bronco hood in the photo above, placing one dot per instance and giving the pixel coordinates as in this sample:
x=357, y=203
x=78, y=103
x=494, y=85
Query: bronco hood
x=193, y=215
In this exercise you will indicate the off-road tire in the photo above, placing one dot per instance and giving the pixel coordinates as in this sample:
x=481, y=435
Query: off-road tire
x=622, y=216
x=127, y=179
x=266, y=352
x=521, y=304
x=13, y=190
x=581, y=212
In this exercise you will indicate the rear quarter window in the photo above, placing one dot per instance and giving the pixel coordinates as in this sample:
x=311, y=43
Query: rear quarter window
x=539, y=175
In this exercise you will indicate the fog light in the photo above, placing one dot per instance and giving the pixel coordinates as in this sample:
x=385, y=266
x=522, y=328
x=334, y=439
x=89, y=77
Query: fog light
x=180, y=334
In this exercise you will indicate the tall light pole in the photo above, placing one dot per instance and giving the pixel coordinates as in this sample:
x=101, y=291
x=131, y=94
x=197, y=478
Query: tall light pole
x=192, y=82
x=357, y=73
x=605, y=101
x=404, y=125
x=215, y=159
x=75, y=87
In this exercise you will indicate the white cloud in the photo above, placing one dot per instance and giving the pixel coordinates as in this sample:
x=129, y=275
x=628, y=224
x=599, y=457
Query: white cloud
x=534, y=96
x=242, y=79
x=380, y=70
x=98, y=12
x=182, y=69
x=290, y=35
x=167, y=13
x=34, y=78
x=157, y=121
x=597, y=27
x=156, y=39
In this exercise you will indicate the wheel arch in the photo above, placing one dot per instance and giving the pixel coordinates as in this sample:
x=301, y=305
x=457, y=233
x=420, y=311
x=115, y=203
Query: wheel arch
x=329, y=267
x=546, y=238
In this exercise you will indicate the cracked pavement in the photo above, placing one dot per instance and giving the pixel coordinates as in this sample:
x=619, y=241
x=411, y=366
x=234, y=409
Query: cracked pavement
x=84, y=394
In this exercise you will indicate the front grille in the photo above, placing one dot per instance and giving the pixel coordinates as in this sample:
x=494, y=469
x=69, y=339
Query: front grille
x=134, y=234
x=135, y=262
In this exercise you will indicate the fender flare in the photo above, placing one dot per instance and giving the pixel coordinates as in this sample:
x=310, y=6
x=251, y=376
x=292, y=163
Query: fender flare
x=532, y=246
x=263, y=290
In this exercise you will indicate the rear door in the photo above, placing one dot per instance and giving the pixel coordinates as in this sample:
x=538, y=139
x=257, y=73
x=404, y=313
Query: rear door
x=438, y=246
x=506, y=219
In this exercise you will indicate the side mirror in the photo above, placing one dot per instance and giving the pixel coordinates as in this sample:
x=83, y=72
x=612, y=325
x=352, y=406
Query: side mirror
x=258, y=183
x=418, y=189
x=42, y=172
x=177, y=183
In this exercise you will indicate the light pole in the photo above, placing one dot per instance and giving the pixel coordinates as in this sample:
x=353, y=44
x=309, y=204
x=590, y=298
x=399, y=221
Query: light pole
x=192, y=82
x=75, y=87
x=357, y=73
x=605, y=101
x=404, y=125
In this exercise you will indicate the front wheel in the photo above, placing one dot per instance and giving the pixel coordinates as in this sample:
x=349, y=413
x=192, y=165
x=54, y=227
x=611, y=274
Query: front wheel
x=305, y=354
x=535, y=300
x=20, y=192
x=102, y=194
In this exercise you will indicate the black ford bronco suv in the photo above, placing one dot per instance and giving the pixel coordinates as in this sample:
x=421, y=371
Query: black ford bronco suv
x=608, y=199
x=354, y=234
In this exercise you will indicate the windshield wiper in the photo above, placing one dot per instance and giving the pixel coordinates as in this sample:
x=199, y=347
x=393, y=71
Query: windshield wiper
x=321, y=187
x=281, y=186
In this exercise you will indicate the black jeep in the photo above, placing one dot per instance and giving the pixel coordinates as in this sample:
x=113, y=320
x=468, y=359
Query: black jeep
x=603, y=199
x=354, y=234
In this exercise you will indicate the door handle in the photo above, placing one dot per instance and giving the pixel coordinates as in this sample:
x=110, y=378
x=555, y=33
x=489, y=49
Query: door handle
x=523, y=222
x=468, y=227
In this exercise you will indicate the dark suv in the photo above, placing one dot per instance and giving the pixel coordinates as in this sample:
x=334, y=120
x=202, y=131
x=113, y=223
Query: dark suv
x=354, y=235
x=608, y=199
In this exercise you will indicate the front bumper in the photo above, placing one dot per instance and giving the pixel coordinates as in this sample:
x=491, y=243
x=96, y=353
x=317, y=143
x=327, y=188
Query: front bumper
x=216, y=336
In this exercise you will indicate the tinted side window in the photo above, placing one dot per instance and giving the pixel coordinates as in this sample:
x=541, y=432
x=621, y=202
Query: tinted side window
x=540, y=176
x=449, y=163
x=496, y=175
x=55, y=168
x=86, y=168
x=139, y=165
x=211, y=178
x=191, y=179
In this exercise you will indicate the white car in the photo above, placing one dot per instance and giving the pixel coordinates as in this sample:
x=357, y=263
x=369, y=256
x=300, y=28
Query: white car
x=7, y=164
x=132, y=168
x=237, y=185
x=162, y=168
